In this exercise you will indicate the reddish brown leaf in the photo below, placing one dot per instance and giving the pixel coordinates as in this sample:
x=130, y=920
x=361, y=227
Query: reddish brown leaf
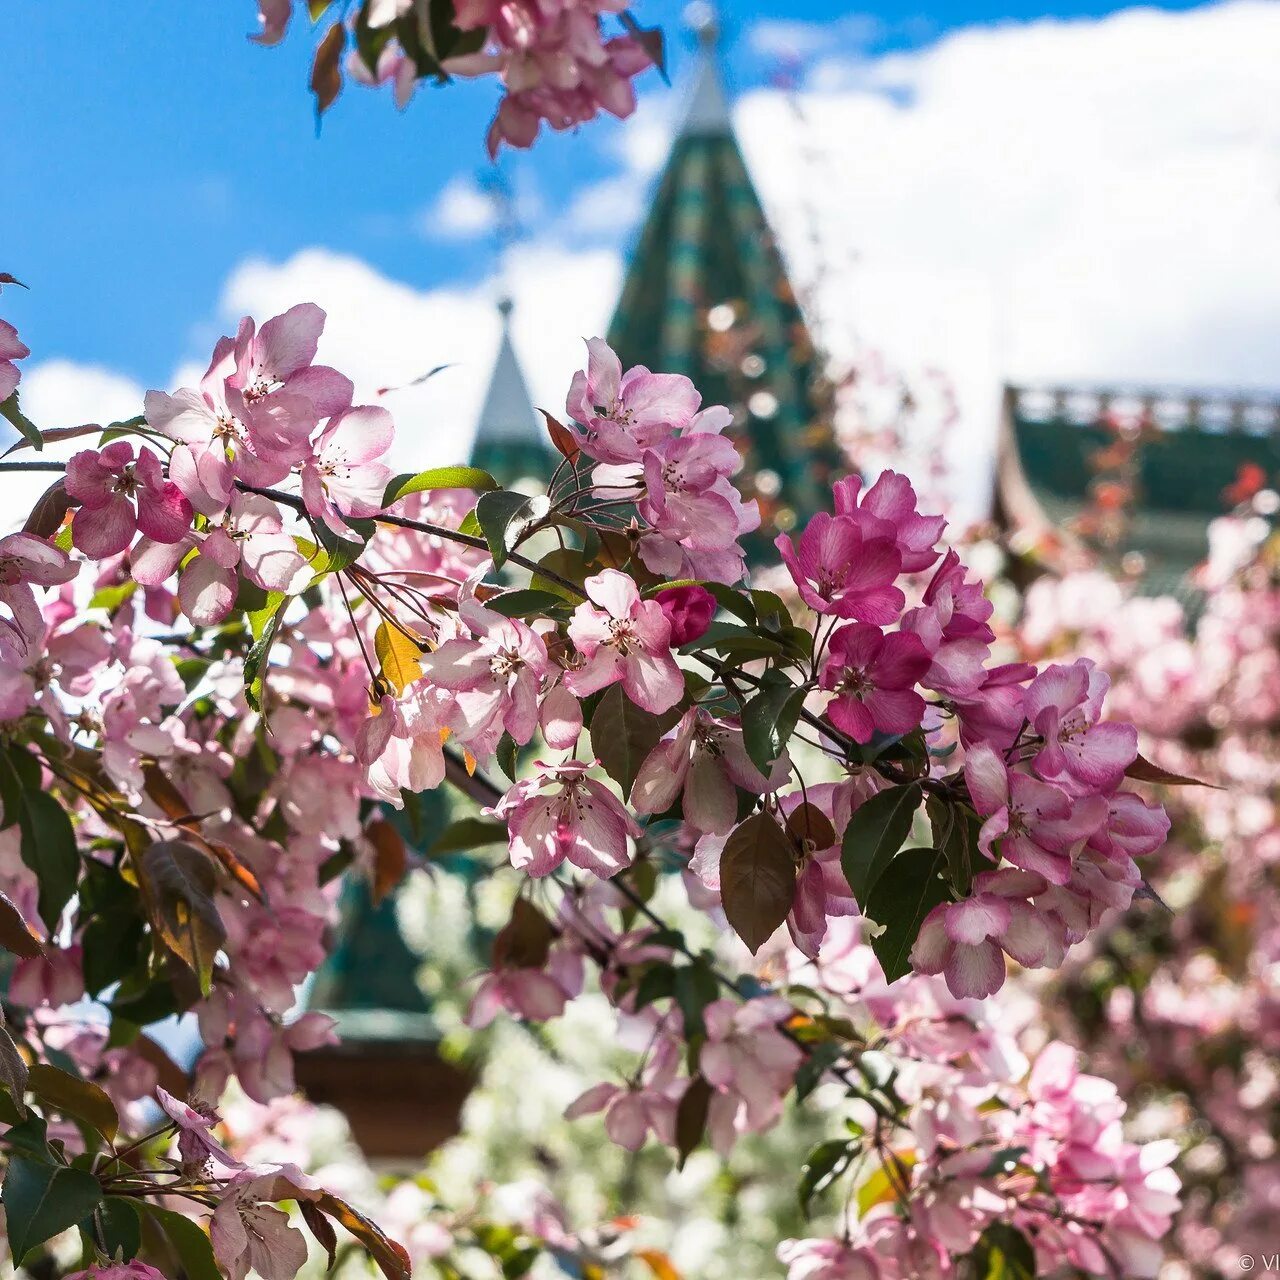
x=525, y=939
x=691, y=1117
x=169, y=1075
x=6, y=278
x=321, y=1228
x=390, y=1256
x=1142, y=770
x=565, y=441
x=16, y=934
x=49, y=511
x=757, y=879
x=390, y=857
x=808, y=822
x=326, y=70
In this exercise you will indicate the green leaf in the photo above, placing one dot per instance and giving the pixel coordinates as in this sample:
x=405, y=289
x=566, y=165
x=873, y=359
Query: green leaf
x=505, y=755
x=622, y=735
x=438, y=478
x=910, y=887
x=49, y=850
x=819, y=1059
x=41, y=1200
x=691, y=1117
x=26, y=428
x=657, y=983
x=955, y=833
x=467, y=834
x=876, y=831
x=189, y=1242
x=823, y=1165
x=757, y=879
x=769, y=719
x=13, y=1077
x=255, y=662
x=525, y=603
x=181, y=881
x=260, y=618
x=505, y=517
x=79, y=1099
x=115, y=1227
x=695, y=988
x=1003, y=1253
x=525, y=940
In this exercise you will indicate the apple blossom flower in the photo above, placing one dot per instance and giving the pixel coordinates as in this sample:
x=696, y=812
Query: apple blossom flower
x=631, y=1113
x=622, y=637
x=704, y=759
x=530, y=994
x=951, y=622
x=278, y=359
x=888, y=509
x=839, y=569
x=27, y=561
x=562, y=814
x=196, y=1144
x=1034, y=824
x=624, y=414
x=345, y=475
x=134, y=1270
x=274, y=16
x=249, y=1234
x=53, y=978
x=495, y=677
x=1063, y=704
x=119, y=497
x=11, y=348
x=250, y=537
x=873, y=676
x=827, y=1260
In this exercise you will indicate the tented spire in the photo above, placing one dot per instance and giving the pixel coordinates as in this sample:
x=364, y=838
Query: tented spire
x=510, y=443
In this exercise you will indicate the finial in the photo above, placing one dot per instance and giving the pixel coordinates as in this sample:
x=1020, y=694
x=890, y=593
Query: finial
x=505, y=307
x=702, y=19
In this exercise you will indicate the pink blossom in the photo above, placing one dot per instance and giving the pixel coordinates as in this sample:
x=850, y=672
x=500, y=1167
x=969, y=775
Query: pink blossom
x=394, y=67
x=630, y=1113
x=888, y=509
x=249, y=537
x=53, y=978
x=118, y=497
x=345, y=475
x=27, y=561
x=249, y=1234
x=1037, y=826
x=839, y=569
x=965, y=940
x=495, y=678
x=622, y=637
x=134, y=1270
x=412, y=755
x=827, y=1260
x=689, y=609
x=1063, y=704
x=952, y=624
x=11, y=348
x=562, y=814
x=530, y=994
x=749, y=1063
x=278, y=358
x=625, y=414
x=195, y=1141
x=873, y=676
x=704, y=759
x=274, y=16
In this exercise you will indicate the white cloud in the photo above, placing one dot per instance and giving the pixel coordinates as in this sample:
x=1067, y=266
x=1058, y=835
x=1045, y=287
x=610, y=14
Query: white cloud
x=62, y=393
x=461, y=212
x=382, y=333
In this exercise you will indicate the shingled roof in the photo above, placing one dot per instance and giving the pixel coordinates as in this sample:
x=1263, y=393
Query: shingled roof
x=1128, y=477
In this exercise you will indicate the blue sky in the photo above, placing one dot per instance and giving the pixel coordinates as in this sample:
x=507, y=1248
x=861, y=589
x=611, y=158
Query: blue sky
x=156, y=149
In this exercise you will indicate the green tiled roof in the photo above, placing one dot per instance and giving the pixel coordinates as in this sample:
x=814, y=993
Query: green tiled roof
x=706, y=295
x=1191, y=448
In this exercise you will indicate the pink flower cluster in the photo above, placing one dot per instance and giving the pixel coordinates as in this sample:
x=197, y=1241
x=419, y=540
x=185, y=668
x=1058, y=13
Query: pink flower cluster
x=656, y=446
x=553, y=61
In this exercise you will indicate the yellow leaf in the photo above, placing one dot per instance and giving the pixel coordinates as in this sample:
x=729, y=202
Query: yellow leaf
x=882, y=1186
x=659, y=1264
x=398, y=655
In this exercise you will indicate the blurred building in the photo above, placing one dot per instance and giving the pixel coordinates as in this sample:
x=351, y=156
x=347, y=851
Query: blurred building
x=1130, y=479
